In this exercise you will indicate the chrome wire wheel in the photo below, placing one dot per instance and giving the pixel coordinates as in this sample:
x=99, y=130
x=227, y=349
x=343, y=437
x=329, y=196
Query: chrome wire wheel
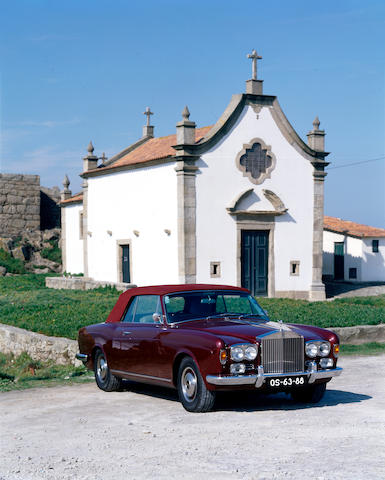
x=189, y=384
x=102, y=368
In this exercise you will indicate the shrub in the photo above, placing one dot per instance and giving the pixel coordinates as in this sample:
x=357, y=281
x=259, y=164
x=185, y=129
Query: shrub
x=53, y=253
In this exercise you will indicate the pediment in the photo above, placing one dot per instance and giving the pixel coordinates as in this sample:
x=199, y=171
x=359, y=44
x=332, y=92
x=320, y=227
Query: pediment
x=237, y=206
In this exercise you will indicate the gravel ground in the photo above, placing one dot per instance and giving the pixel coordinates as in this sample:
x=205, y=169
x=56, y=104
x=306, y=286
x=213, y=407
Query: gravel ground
x=79, y=432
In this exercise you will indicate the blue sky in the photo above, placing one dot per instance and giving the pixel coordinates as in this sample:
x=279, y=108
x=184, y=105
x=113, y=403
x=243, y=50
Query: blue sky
x=79, y=70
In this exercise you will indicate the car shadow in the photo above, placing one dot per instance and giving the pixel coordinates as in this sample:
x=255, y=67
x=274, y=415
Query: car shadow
x=255, y=401
x=249, y=401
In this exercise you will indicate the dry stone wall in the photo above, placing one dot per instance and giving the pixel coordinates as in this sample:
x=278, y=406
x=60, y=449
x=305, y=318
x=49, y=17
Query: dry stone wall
x=40, y=347
x=19, y=204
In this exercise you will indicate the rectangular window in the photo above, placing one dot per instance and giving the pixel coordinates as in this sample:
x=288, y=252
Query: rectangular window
x=375, y=246
x=352, y=273
x=294, y=268
x=215, y=269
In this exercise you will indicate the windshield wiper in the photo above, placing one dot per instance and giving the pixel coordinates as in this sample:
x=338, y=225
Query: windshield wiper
x=240, y=316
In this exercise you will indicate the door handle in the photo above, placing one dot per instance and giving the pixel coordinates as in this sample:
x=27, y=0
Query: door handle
x=126, y=333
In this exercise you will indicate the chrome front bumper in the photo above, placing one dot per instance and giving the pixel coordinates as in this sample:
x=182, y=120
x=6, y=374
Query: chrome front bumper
x=258, y=380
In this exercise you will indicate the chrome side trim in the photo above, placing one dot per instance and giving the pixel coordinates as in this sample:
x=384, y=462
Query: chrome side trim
x=260, y=378
x=82, y=357
x=149, y=377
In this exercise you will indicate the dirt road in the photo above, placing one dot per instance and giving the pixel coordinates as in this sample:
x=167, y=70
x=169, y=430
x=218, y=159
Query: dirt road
x=81, y=433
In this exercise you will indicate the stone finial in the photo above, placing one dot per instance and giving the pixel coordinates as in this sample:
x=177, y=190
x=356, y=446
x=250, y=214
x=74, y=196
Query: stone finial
x=90, y=148
x=185, y=130
x=148, y=130
x=66, y=192
x=186, y=113
x=316, y=137
x=254, y=86
x=90, y=161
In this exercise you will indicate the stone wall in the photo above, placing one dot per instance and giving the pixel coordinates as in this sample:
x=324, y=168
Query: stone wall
x=19, y=203
x=39, y=347
x=81, y=283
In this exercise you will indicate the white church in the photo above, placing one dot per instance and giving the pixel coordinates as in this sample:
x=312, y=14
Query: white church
x=240, y=202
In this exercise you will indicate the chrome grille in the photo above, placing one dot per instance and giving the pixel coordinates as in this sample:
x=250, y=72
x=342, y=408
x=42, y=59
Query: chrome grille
x=282, y=352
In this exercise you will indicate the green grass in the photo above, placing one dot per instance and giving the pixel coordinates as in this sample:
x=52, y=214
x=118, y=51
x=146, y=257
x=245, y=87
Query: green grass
x=13, y=265
x=342, y=312
x=25, y=302
x=372, y=348
x=18, y=373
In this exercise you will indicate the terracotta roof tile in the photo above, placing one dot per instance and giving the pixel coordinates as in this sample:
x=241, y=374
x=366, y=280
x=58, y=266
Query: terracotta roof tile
x=77, y=198
x=154, y=149
x=352, y=228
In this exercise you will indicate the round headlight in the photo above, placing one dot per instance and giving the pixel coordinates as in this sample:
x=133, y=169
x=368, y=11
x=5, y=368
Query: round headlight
x=311, y=350
x=250, y=353
x=237, y=354
x=324, y=349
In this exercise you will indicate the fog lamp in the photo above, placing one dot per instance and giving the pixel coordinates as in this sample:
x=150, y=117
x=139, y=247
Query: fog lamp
x=326, y=362
x=236, y=368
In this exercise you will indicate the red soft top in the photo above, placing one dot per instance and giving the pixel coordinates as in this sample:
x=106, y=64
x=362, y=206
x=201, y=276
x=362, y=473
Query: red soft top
x=117, y=312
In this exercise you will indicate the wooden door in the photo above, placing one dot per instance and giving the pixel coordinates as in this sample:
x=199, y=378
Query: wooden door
x=339, y=263
x=254, y=261
x=126, y=274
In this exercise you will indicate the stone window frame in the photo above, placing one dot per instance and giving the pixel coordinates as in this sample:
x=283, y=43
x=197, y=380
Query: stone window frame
x=215, y=272
x=294, y=268
x=119, y=252
x=248, y=146
x=251, y=222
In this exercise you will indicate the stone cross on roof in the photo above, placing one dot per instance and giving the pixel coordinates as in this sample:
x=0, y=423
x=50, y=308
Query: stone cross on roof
x=254, y=57
x=148, y=113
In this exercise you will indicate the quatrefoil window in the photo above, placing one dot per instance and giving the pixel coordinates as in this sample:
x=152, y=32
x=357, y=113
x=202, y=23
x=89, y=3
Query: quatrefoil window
x=256, y=161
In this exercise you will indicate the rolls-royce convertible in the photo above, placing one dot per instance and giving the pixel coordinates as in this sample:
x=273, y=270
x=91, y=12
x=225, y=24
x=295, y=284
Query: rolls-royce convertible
x=201, y=339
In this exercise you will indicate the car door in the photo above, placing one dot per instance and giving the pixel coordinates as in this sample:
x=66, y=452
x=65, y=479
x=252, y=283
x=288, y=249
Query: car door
x=137, y=337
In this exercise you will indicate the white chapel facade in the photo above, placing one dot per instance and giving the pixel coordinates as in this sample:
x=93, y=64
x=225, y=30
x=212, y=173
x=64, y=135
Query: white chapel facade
x=238, y=203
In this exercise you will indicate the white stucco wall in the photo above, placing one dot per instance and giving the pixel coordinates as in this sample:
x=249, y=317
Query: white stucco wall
x=144, y=200
x=352, y=254
x=373, y=264
x=219, y=181
x=73, y=243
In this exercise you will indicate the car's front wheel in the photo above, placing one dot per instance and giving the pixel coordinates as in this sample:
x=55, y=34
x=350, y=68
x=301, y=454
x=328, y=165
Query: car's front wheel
x=309, y=394
x=103, y=376
x=192, y=391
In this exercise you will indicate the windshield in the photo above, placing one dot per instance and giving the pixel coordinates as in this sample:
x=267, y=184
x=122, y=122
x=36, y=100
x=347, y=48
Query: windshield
x=184, y=306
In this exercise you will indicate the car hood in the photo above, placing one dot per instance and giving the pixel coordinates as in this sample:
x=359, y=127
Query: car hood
x=250, y=329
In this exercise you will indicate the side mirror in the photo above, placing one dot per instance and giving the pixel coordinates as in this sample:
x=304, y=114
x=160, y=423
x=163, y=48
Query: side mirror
x=157, y=317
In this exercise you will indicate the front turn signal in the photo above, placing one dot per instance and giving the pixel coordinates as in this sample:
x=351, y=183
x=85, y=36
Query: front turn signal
x=336, y=350
x=223, y=357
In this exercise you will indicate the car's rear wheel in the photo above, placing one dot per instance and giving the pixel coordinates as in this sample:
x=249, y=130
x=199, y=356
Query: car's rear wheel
x=309, y=394
x=103, y=376
x=192, y=391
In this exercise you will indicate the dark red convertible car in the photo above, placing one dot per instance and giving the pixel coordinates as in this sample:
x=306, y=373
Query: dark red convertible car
x=201, y=339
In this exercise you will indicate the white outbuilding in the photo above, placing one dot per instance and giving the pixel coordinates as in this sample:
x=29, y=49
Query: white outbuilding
x=353, y=252
x=240, y=202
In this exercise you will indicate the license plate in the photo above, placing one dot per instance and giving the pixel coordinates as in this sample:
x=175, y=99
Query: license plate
x=287, y=381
